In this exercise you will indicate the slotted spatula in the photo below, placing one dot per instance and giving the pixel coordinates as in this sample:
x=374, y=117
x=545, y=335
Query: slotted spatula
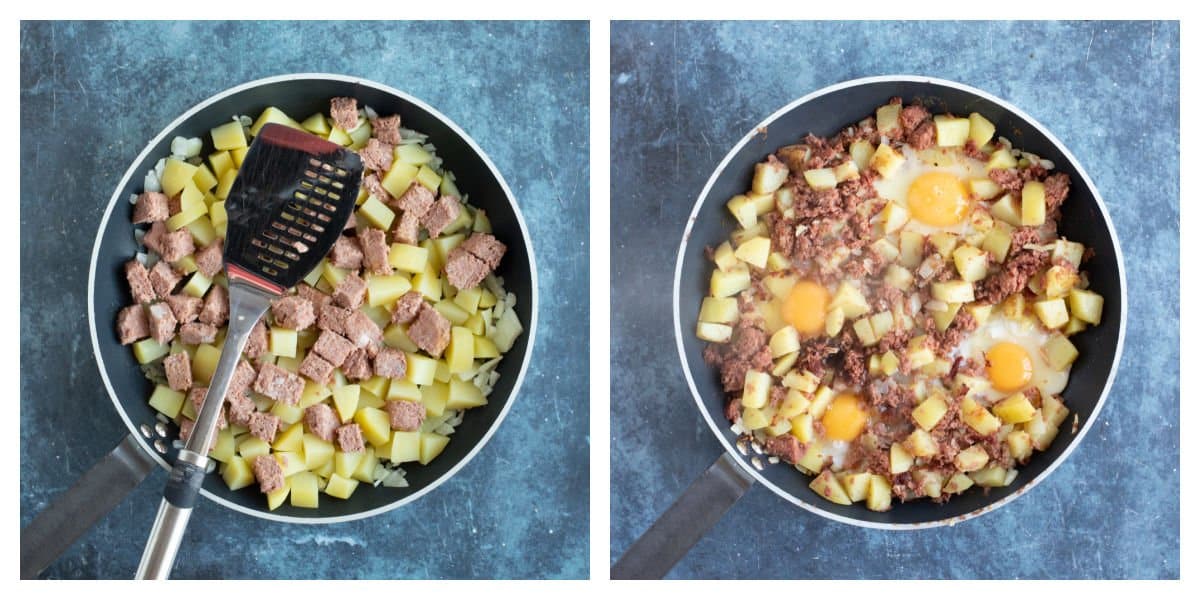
x=293, y=196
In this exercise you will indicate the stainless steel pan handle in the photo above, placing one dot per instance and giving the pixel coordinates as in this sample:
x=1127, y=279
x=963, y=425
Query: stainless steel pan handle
x=700, y=506
x=99, y=491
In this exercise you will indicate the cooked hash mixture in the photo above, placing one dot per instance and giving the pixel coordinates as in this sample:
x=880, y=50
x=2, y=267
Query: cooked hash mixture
x=368, y=364
x=892, y=314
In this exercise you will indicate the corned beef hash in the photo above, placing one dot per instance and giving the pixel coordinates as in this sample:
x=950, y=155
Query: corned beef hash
x=368, y=364
x=892, y=314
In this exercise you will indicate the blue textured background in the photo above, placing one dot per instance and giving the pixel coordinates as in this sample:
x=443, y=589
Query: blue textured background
x=93, y=94
x=684, y=93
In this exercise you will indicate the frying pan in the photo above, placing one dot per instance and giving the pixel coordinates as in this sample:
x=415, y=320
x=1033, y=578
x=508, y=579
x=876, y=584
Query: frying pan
x=823, y=113
x=148, y=442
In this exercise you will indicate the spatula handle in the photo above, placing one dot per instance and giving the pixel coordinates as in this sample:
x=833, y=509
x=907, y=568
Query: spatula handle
x=246, y=304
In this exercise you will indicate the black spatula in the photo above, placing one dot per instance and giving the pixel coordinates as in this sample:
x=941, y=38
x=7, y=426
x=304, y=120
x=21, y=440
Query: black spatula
x=293, y=196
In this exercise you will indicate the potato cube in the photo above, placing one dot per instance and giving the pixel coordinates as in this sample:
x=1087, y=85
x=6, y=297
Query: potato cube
x=828, y=487
x=404, y=446
x=978, y=417
x=1008, y=209
x=1054, y=411
x=1086, y=305
x=912, y=249
x=727, y=283
x=861, y=152
x=919, y=355
x=929, y=483
x=1014, y=409
x=920, y=444
x=834, y=320
x=317, y=451
x=898, y=277
x=756, y=389
x=754, y=251
x=1020, y=445
x=821, y=179
x=1041, y=433
x=879, y=494
x=1071, y=252
x=176, y=175
x=719, y=310
x=768, y=176
x=882, y=323
x=283, y=342
x=957, y=484
x=989, y=477
x=432, y=445
x=856, y=485
x=971, y=459
x=148, y=350
x=984, y=189
x=886, y=161
x=237, y=473
x=929, y=413
x=228, y=136
x=376, y=213
x=340, y=486
x=899, y=459
x=784, y=341
x=820, y=401
x=866, y=335
x=375, y=424
x=1001, y=158
x=889, y=363
x=713, y=332
x=847, y=171
x=893, y=217
x=944, y=242
x=996, y=242
x=887, y=118
x=1060, y=352
x=850, y=300
x=1053, y=313
x=802, y=428
x=743, y=211
x=954, y=291
x=1033, y=203
x=982, y=130
x=805, y=383
x=273, y=115
x=167, y=401
x=951, y=131
x=794, y=405
x=251, y=446
x=886, y=250
x=398, y=179
x=971, y=262
x=305, y=490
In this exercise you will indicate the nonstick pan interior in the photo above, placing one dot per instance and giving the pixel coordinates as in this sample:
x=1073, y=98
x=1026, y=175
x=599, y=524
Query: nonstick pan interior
x=824, y=113
x=300, y=96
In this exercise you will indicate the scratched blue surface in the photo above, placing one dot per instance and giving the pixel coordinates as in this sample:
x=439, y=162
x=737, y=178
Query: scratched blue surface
x=93, y=94
x=684, y=93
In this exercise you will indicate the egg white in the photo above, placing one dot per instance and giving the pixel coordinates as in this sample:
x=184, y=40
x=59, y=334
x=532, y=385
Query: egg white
x=946, y=160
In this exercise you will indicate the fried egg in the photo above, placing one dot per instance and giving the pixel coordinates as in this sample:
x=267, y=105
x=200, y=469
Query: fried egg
x=932, y=185
x=1014, y=357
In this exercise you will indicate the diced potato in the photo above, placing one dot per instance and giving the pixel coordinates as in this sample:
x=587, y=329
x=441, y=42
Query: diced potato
x=971, y=263
x=1053, y=313
x=794, y=405
x=784, y=341
x=225, y=446
x=929, y=413
x=429, y=178
x=978, y=417
x=984, y=189
x=719, y=310
x=251, y=447
x=743, y=211
x=756, y=389
x=282, y=342
x=912, y=249
x=879, y=494
x=847, y=171
x=316, y=124
x=385, y=289
x=405, y=446
x=435, y=396
x=176, y=175
x=724, y=258
x=305, y=490
x=345, y=401
x=366, y=466
x=273, y=115
x=237, y=473
x=1014, y=409
x=887, y=118
x=1060, y=352
x=954, y=291
x=376, y=213
x=398, y=179
x=1071, y=252
x=802, y=428
x=290, y=462
x=882, y=323
x=957, y=484
x=1007, y=209
x=420, y=368
x=821, y=179
x=1054, y=411
x=754, y=418
x=1020, y=445
x=460, y=354
x=951, y=131
x=405, y=257
x=804, y=382
x=228, y=136
x=898, y=277
x=861, y=152
x=893, y=217
x=220, y=163
x=850, y=300
x=866, y=335
x=464, y=395
x=971, y=459
x=768, y=176
x=886, y=161
x=929, y=483
x=820, y=401
x=197, y=285
x=856, y=485
x=727, y=283
x=1059, y=280
x=375, y=424
x=996, y=242
x=290, y=440
x=167, y=401
x=828, y=487
x=204, y=362
x=813, y=460
x=981, y=130
x=899, y=459
x=989, y=477
x=919, y=355
x=148, y=350
x=1086, y=305
x=1002, y=158
x=432, y=445
x=238, y=155
x=834, y=320
x=944, y=242
x=1041, y=433
x=920, y=444
x=340, y=486
x=1014, y=306
x=754, y=251
x=428, y=283
x=713, y=332
x=1033, y=203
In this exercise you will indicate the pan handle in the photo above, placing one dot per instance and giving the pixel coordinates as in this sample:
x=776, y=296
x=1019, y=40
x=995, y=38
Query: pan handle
x=685, y=522
x=99, y=491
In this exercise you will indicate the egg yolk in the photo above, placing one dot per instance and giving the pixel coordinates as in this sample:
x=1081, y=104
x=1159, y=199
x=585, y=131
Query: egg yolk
x=804, y=307
x=844, y=419
x=938, y=199
x=1009, y=367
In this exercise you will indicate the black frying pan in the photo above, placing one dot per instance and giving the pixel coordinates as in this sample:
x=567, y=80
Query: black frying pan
x=823, y=113
x=102, y=488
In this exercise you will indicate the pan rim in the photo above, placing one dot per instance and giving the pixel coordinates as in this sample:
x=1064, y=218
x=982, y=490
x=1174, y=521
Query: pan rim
x=719, y=431
x=533, y=300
